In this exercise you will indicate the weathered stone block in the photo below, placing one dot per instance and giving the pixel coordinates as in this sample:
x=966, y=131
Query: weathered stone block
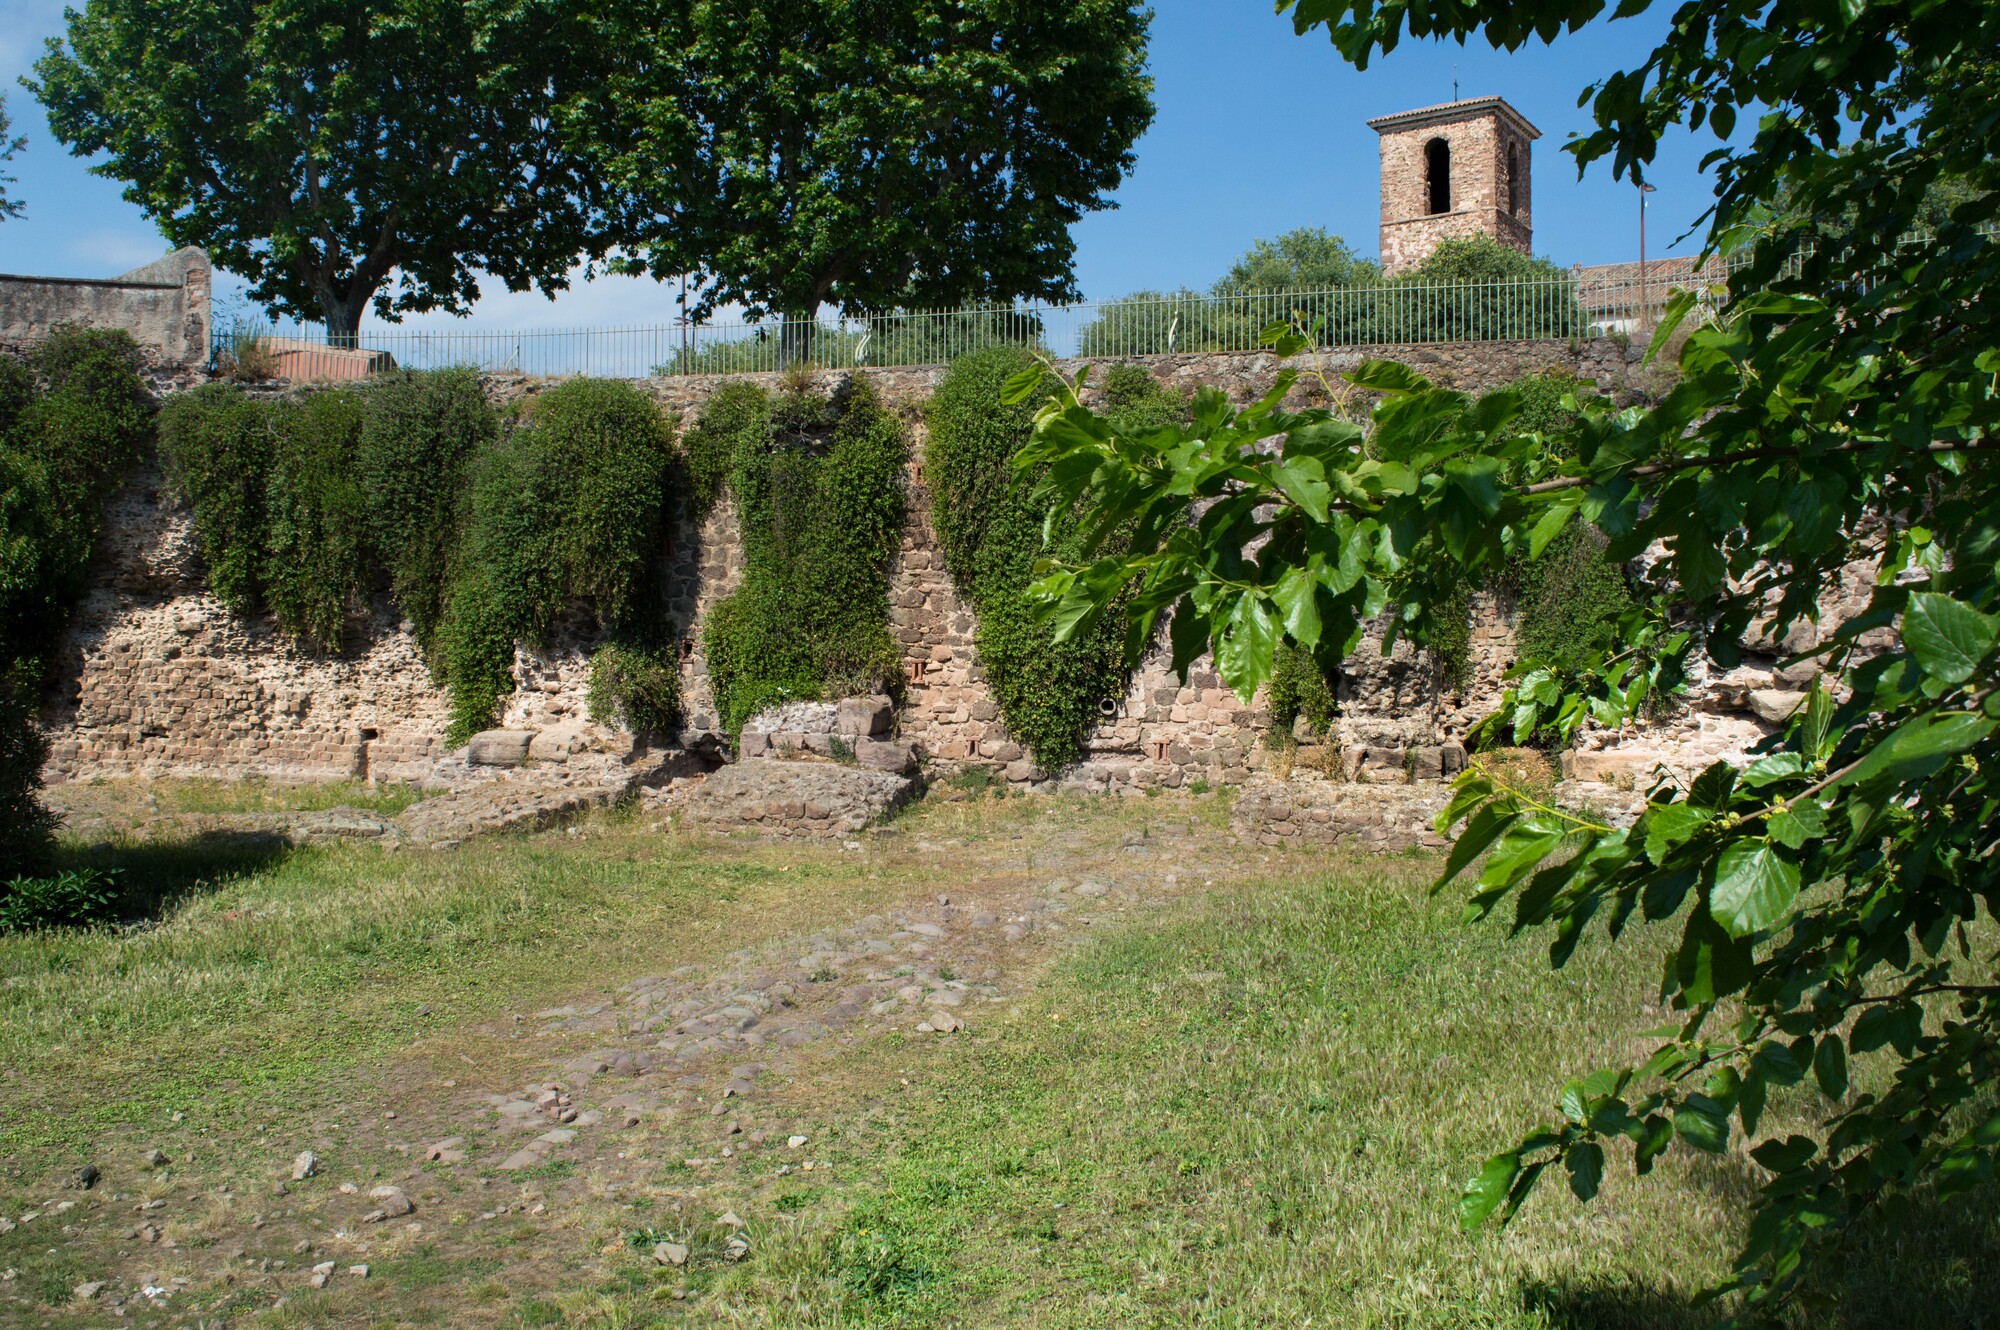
x=884, y=755
x=870, y=717
x=499, y=748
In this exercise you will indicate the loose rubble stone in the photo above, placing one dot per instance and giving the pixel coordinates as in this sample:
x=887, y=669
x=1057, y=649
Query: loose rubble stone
x=305, y=1165
x=670, y=1253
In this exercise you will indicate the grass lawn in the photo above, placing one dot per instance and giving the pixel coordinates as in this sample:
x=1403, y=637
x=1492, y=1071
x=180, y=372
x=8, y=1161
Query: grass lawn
x=1247, y=1105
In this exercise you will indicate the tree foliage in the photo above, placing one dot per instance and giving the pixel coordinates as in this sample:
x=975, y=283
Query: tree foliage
x=1834, y=898
x=870, y=156
x=8, y=147
x=338, y=155
x=1306, y=258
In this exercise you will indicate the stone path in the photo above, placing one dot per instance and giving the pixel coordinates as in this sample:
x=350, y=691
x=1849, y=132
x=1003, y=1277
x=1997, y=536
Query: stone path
x=700, y=1070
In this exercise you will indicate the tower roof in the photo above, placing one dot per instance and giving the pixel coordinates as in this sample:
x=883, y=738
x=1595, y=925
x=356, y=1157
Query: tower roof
x=1448, y=112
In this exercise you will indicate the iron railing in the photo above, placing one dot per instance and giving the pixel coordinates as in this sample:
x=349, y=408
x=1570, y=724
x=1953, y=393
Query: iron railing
x=1388, y=314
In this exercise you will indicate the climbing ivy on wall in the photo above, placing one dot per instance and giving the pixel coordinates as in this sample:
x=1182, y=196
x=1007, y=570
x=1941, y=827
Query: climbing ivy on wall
x=484, y=537
x=1298, y=687
x=991, y=534
x=74, y=416
x=818, y=486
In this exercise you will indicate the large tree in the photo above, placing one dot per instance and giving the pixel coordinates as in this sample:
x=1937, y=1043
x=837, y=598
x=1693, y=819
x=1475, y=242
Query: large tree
x=338, y=153
x=867, y=154
x=1832, y=904
x=1306, y=258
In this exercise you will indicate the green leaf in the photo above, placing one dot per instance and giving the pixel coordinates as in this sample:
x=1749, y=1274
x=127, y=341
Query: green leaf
x=1712, y=787
x=1701, y=1123
x=1303, y=481
x=1484, y=828
x=1020, y=387
x=1666, y=825
x=1948, y=637
x=1387, y=376
x=1488, y=1187
x=1297, y=599
x=1921, y=746
x=1830, y=1066
x=1786, y=1155
x=1797, y=824
x=1244, y=649
x=1754, y=886
x=1585, y=1162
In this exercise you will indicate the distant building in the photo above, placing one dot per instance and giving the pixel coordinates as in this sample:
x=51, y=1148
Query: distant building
x=1460, y=169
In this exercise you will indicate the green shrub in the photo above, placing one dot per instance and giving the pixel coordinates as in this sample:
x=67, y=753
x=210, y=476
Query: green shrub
x=419, y=436
x=991, y=533
x=72, y=899
x=637, y=687
x=1299, y=687
x=819, y=494
x=73, y=417
x=570, y=507
x=27, y=827
x=1571, y=600
x=215, y=447
x=736, y=410
x=316, y=562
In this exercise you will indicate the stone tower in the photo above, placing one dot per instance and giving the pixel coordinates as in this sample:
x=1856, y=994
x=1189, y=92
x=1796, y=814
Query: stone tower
x=1460, y=169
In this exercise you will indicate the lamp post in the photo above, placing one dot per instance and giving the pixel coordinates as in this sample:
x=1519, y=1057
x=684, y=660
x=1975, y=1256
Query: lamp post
x=1645, y=291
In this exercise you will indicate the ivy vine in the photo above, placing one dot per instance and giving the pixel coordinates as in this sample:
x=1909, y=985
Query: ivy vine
x=818, y=486
x=74, y=417
x=481, y=536
x=991, y=534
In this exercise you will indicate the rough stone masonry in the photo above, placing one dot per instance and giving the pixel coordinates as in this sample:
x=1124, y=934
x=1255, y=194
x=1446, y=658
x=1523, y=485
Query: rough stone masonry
x=157, y=679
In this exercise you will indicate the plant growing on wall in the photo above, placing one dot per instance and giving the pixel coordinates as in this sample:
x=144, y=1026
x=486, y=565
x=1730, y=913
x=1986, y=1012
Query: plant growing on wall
x=73, y=418
x=570, y=507
x=818, y=485
x=419, y=436
x=992, y=533
x=483, y=540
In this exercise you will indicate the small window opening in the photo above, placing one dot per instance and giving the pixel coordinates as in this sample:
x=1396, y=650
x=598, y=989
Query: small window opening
x=1513, y=181
x=1437, y=172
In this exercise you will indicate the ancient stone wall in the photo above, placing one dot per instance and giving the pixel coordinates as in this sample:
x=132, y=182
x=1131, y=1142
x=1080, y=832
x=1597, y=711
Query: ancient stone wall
x=157, y=678
x=163, y=305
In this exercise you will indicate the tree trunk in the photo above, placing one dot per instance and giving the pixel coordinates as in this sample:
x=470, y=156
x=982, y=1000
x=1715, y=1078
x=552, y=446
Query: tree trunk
x=343, y=316
x=796, y=334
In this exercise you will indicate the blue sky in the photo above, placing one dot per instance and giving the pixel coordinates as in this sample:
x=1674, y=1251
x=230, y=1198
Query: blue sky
x=1257, y=131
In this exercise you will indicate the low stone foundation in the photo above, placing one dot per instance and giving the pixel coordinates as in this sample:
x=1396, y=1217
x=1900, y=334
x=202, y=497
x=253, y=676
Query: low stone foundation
x=1320, y=813
x=795, y=798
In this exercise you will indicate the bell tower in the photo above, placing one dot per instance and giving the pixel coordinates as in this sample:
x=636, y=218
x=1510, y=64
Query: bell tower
x=1460, y=169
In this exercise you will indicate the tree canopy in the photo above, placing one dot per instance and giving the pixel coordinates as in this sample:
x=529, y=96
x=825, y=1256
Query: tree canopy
x=1834, y=899
x=8, y=147
x=1306, y=258
x=871, y=156
x=338, y=153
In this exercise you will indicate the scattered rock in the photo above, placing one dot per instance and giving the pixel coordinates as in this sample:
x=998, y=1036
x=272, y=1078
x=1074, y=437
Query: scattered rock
x=305, y=1165
x=156, y=1158
x=735, y=1249
x=392, y=1202
x=729, y=1220
x=1091, y=887
x=88, y=1292
x=670, y=1253
x=83, y=1179
x=1774, y=706
x=358, y=1271
x=795, y=1142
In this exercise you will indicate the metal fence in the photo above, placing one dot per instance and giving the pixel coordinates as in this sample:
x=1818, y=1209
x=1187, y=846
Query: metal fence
x=1390, y=313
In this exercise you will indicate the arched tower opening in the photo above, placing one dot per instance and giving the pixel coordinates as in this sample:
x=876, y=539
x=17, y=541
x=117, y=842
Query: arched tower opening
x=1437, y=175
